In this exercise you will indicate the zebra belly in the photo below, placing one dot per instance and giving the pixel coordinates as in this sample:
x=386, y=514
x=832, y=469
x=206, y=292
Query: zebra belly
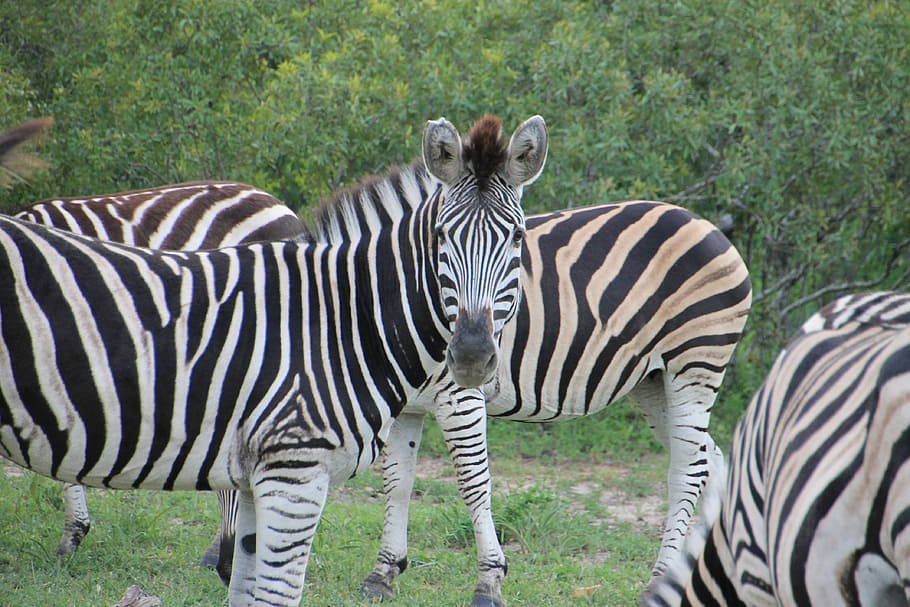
x=529, y=403
x=30, y=448
x=571, y=382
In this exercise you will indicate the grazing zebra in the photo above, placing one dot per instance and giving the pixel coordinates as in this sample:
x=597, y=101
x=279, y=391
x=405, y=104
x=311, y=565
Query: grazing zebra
x=638, y=298
x=817, y=504
x=200, y=215
x=272, y=368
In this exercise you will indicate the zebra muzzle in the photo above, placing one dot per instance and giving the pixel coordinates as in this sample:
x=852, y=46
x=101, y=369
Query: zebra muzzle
x=473, y=355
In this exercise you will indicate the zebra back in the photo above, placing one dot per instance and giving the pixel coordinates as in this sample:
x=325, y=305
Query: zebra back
x=185, y=216
x=815, y=509
x=614, y=292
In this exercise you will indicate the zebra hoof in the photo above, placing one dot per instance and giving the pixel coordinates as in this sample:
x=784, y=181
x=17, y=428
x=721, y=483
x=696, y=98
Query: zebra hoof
x=376, y=590
x=485, y=600
x=209, y=559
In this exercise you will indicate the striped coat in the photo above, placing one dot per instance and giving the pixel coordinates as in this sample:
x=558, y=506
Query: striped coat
x=816, y=508
x=640, y=299
x=198, y=215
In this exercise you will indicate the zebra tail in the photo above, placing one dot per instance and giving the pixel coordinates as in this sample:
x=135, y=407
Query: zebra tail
x=16, y=165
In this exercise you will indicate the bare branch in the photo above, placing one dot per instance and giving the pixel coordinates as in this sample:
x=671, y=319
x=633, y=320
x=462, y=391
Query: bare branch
x=858, y=285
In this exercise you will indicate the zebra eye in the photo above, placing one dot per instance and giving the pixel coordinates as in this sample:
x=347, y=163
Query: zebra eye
x=518, y=235
x=440, y=234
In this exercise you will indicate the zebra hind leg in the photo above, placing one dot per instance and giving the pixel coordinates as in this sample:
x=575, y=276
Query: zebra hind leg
x=220, y=552
x=678, y=409
x=243, y=566
x=210, y=556
x=76, y=521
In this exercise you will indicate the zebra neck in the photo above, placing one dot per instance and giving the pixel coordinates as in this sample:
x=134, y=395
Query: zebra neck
x=387, y=222
x=396, y=288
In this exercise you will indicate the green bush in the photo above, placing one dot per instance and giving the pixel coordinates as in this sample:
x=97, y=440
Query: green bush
x=790, y=116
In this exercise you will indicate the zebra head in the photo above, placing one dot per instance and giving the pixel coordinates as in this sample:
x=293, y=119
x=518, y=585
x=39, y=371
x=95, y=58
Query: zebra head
x=479, y=232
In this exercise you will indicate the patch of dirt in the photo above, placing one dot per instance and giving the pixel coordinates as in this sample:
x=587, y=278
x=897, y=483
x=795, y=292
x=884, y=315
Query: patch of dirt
x=12, y=471
x=645, y=510
x=579, y=483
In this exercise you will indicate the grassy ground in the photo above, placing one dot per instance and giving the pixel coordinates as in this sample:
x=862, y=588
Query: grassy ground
x=578, y=505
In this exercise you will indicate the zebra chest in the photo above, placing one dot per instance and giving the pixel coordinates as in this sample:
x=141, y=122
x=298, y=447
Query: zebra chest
x=340, y=434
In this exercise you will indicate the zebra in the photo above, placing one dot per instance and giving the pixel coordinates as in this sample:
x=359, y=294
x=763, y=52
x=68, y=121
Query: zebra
x=184, y=216
x=272, y=368
x=637, y=298
x=815, y=508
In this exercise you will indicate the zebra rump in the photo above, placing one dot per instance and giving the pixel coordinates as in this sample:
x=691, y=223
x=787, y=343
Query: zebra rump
x=817, y=505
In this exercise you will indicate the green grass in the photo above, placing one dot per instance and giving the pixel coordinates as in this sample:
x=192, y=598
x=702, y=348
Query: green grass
x=558, y=536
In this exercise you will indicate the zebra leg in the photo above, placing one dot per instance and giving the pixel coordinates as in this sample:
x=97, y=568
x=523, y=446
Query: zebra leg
x=461, y=415
x=275, y=528
x=76, y=522
x=210, y=556
x=243, y=566
x=399, y=460
x=227, y=500
x=220, y=552
x=678, y=408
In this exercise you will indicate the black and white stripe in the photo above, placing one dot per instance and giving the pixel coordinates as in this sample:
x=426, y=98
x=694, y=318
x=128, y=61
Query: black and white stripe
x=272, y=368
x=187, y=216
x=180, y=217
x=817, y=505
x=637, y=298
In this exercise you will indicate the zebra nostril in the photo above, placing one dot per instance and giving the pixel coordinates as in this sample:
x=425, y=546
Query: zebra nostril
x=492, y=361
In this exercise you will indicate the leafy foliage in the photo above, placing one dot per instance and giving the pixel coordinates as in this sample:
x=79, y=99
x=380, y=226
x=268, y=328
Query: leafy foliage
x=790, y=116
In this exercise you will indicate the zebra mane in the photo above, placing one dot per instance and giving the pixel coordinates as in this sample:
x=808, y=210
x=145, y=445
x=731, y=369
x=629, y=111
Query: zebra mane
x=484, y=152
x=485, y=149
x=346, y=213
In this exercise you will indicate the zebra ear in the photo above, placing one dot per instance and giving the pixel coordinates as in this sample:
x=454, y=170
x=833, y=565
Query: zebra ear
x=527, y=152
x=442, y=150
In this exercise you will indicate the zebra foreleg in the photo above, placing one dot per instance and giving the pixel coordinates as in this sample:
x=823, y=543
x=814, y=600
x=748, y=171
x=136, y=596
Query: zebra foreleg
x=76, y=522
x=275, y=528
x=462, y=418
x=399, y=460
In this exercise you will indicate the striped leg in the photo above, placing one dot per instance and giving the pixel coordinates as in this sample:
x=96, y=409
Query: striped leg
x=220, y=552
x=678, y=408
x=275, y=529
x=76, y=522
x=462, y=417
x=398, y=471
x=243, y=565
